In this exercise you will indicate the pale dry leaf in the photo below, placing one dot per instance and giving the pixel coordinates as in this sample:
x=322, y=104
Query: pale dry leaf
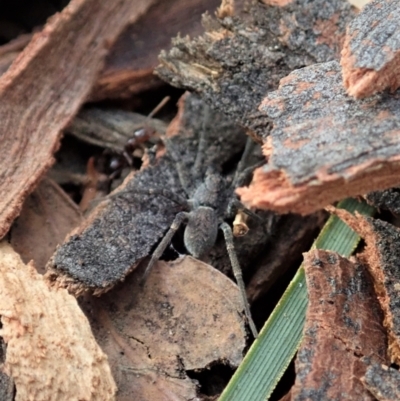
x=51, y=352
x=186, y=318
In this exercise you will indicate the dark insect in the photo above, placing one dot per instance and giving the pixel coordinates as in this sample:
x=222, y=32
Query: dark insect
x=190, y=184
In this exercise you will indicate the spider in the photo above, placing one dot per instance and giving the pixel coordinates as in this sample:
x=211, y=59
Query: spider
x=208, y=203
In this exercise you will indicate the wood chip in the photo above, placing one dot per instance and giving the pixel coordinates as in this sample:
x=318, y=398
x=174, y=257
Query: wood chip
x=324, y=145
x=240, y=59
x=130, y=64
x=47, y=216
x=383, y=382
x=382, y=257
x=154, y=335
x=343, y=331
x=371, y=53
x=51, y=352
x=44, y=87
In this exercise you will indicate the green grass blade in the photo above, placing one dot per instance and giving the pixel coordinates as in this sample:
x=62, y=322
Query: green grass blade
x=279, y=339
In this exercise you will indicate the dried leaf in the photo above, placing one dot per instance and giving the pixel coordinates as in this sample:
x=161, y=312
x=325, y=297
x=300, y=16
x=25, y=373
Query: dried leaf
x=51, y=352
x=238, y=60
x=324, y=145
x=44, y=87
x=187, y=317
x=383, y=382
x=371, y=52
x=343, y=331
x=47, y=216
x=381, y=256
x=94, y=256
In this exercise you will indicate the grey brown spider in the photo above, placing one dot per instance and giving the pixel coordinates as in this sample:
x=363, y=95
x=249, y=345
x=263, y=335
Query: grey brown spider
x=209, y=201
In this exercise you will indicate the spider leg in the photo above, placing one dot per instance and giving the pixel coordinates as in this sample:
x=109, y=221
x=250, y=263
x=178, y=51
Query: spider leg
x=179, y=219
x=237, y=272
x=202, y=144
x=242, y=163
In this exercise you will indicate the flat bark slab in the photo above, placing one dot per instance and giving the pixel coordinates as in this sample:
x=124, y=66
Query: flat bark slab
x=324, y=145
x=371, y=52
x=241, y=58
x=382, y=256
x=343, y=331
x=44, y=87
x=383, y=382
x=123, y=230
x=154, y=335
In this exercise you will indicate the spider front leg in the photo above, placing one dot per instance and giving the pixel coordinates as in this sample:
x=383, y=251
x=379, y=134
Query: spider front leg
x=179, y=219
x=237, y=272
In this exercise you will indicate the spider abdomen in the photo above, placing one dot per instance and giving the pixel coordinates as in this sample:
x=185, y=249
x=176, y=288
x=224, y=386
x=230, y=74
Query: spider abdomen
x=201, y=231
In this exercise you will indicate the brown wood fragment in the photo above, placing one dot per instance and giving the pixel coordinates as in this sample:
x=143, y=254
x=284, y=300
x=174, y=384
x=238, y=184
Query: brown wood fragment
x=51, y=352
x=47, y=216
x=382, y=257
x=44, y=87
x=324, y=145
x=130, y=64
x=383, y=382
x=343, y=331
x=239, y=59
x=388, y=199
x=155, y=334
x=371, y=52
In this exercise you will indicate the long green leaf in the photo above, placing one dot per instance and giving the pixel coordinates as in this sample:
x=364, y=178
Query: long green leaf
x=279, y=339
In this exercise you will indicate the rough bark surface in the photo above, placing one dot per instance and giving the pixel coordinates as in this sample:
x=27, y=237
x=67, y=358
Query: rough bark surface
x=241, y=58
x=371, y=53
x=324, y=145
x=383, y=382
x=122, y=231
x=343, y=331
x=388, y=199
x=44, y=87
x=382, y=257
x=51, y=352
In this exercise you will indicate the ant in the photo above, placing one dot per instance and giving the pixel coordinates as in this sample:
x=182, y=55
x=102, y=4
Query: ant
x=209, y=201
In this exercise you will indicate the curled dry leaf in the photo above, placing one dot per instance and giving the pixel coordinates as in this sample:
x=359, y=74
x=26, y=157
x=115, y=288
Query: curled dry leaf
x=343, y=331
x=371, y=52
x=51, y=352
x=44, y=87
x=47, y=216
x=324, y=145
x=383, y=382
x=239, y=59
x=186, y=318
x=382, y=257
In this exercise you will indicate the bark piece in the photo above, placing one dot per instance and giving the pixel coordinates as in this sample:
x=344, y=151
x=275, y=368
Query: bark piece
x=371, y=52
x=292, y=235
x=154, y=335
x=130, y=64
x=124, y=230
x=388, y=199
x=51, y=352
x=239, y=59
x=47, y=216
x=111, y=129
x=324, y=145
x=383, y=382
x=382, y=256
x=44, y=87
x=343, y=331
